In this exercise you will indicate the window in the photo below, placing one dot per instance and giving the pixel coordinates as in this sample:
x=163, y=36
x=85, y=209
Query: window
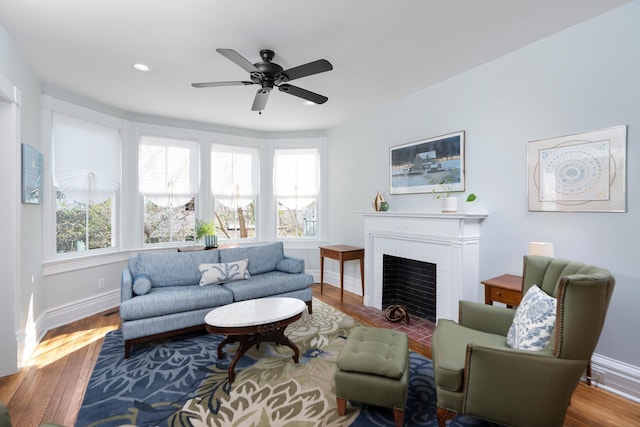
x=234, y=184
x=296, y=185
x=86, y=175
x=168, y=173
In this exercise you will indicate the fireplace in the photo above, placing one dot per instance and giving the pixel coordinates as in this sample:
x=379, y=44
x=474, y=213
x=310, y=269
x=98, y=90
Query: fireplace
x=448, y=241
x=409, y=283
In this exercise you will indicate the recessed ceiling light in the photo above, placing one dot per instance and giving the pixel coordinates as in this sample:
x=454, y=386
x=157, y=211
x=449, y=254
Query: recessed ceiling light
x=309, y=103
x=144, y=68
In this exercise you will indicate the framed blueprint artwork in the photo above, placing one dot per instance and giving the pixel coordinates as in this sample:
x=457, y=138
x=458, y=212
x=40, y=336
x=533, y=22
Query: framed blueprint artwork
x=578, y=173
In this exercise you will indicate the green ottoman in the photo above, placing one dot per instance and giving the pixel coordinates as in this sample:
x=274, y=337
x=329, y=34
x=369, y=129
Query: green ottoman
x=373, y=368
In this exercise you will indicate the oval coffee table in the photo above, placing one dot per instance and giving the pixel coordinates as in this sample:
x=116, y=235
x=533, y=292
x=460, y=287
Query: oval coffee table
x=252, y=322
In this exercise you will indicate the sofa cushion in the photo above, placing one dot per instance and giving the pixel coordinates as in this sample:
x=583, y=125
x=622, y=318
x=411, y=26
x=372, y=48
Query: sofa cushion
x=290, y=265
x=533, y=322
x=133, y=265
x=174, y=268
x=213, y=274
x=141, y=284
x=267, y=284
x=174, y=299
x=261, y=258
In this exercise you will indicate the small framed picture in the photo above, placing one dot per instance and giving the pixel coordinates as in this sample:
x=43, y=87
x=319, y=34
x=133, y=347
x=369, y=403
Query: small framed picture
x=578, y=173
x=430, y=165
x=31, y=175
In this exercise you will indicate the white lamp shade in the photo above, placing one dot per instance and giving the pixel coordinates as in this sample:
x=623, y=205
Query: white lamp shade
x=541, y=248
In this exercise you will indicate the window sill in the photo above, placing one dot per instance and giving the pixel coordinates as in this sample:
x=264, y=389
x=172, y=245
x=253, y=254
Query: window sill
x=57, y=266
x=79, y=262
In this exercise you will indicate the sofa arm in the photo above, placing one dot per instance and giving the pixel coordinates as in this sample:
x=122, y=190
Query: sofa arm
x=486, y=318
x=290, y=265
x=126, y=285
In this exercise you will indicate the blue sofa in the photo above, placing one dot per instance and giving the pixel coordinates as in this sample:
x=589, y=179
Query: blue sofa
x=161, y=293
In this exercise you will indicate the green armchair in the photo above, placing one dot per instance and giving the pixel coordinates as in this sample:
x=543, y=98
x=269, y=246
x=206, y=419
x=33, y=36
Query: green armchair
x=5, y=419
x=478, y=374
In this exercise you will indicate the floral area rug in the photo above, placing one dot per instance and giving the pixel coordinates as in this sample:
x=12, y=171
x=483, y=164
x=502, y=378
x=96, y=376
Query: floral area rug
x=180, y=382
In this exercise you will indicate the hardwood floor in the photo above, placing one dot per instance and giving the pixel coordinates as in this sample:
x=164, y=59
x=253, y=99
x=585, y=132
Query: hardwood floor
x=51, y=387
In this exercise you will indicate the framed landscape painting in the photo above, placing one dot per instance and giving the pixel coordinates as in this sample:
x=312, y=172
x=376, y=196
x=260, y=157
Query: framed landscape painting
x=429, y=165
x=579, y=173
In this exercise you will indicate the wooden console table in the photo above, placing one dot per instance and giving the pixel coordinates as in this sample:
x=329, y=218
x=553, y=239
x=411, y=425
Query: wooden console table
x=341, y=253
x=203, y=248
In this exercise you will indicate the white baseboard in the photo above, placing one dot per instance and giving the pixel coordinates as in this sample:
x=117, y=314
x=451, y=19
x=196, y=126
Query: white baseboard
x=80, y=309
x=615, y=376
x=332, y=278
x=62, y=315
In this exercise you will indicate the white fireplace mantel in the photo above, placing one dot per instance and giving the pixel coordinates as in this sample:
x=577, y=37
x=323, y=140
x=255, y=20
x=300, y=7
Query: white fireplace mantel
x=450, y=241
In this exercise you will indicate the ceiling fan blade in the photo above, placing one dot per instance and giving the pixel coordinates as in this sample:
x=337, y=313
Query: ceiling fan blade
x=238, y=59
x=303, y=93
x=315, y=67
x=260, y=101
x=220, y=84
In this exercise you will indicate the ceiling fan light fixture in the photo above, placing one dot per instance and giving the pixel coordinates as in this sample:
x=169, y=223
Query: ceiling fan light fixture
x=143, y=68
x=268, y=75
x=308, y=103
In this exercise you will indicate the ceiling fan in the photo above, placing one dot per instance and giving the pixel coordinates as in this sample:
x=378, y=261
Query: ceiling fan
x=268, y=74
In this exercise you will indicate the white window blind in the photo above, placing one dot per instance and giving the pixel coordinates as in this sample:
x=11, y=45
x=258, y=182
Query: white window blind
x=168, y=170
x=86, y=159
x=296, y=177
x=233, y=178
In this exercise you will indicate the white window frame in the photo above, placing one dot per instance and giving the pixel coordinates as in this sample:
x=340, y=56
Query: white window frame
x=176, y=142
x=320, y=143
x=128, y=233
x=50, y=255
x=255, y=154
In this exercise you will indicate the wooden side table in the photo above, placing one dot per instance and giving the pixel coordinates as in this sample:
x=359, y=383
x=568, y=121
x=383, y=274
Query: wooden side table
x=341, y=253
x=506, y=289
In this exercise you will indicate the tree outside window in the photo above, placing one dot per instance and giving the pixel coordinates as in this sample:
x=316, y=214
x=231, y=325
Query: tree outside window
x=168, y=172
x=234, y=186
x=86, y=165
x=296, y=182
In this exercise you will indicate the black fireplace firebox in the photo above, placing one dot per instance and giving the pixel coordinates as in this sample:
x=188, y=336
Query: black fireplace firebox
x=410, y=283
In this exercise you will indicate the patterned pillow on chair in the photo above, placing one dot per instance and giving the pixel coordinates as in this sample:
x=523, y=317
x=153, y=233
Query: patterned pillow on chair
x=533, y=322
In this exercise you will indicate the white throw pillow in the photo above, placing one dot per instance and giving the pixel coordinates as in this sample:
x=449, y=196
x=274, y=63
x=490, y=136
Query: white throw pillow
x=533, y=322
x=224, y=272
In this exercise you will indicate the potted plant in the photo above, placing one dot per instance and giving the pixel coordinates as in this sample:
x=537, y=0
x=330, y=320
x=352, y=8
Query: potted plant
x=206, y=230
x=449, y=202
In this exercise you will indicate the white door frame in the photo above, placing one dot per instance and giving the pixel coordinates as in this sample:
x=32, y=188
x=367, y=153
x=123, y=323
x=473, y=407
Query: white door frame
x=10, y=194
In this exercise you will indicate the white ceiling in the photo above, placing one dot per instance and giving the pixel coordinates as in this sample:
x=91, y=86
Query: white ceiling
x=381, y=50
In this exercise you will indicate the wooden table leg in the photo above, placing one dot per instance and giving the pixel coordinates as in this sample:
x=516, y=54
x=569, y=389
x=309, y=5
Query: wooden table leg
x=248, y=341
x=341, y=279
x=362, y=274
x=280, y=338
x=321, y=272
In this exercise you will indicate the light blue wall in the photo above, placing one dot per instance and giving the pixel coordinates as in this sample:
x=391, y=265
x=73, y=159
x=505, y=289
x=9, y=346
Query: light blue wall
x=16, y=70
x=585, y=78
x=582, y=79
